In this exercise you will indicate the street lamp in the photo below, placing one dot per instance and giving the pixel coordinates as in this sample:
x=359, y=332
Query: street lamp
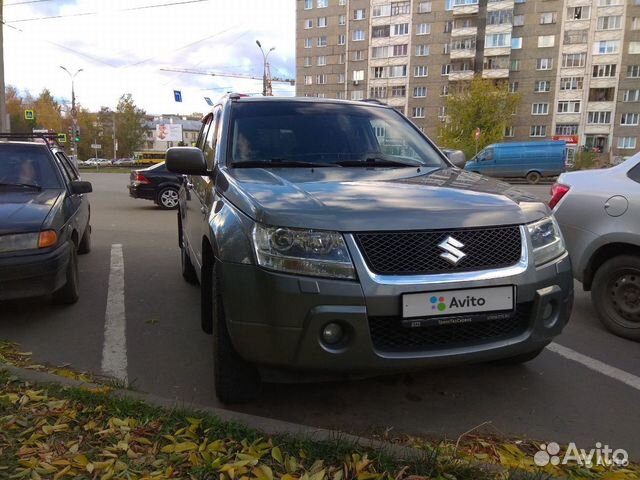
x=73, y=106
x=264, y=66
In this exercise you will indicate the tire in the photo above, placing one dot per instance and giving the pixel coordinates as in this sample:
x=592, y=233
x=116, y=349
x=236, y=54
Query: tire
x=519, y=359
x=533, y=177
x=168, y=198
x=69, y=293
x=235, y=380
x=615, y=293
x=188, y=270
x=85, y=243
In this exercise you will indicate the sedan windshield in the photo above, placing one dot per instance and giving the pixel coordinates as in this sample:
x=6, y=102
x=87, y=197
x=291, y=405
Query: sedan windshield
x=306, y=134
x=26, y=166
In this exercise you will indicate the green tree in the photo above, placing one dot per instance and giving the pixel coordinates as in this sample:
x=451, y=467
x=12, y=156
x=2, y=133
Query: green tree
x=483, y=104
x=130, y=121
x=48, y=112
x=87, y=122
x=16, y=105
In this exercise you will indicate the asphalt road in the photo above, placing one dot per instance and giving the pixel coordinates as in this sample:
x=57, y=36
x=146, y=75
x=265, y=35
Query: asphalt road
x=552, y=398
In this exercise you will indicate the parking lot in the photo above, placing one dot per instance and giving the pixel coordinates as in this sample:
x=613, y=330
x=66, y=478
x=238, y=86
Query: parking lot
x=584, y=389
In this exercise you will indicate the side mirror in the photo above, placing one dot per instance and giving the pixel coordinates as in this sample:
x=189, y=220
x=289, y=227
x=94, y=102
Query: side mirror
x=78, y=187
x=457, y=157
x=186, y=161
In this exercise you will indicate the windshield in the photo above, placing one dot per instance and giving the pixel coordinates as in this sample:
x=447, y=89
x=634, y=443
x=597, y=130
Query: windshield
x=325, y=134
x=27, y=165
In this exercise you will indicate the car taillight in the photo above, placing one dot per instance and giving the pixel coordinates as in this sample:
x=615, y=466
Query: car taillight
x=140, y=179
x=557, y=192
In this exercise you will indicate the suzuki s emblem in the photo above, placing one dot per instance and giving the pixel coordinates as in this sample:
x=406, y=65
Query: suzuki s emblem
x=452, y=252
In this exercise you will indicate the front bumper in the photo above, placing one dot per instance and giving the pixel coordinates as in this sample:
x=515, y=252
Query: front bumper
x=280, y=323
x=24, y=276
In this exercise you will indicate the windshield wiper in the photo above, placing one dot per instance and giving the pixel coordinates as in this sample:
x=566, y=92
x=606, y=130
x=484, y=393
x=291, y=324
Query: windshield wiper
x=279, y=163
x=378, y=162
x=23, y=185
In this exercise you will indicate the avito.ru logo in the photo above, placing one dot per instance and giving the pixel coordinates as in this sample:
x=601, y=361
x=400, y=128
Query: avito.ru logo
x=440, y=303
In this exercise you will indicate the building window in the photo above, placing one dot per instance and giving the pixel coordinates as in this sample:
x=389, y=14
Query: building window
x=380, y=52
x=609, y=23
x=547, y=18
x=516, y=43
x=442, y=112
x=417, y=112
x=602, y=94
x=445, y=70
x=606, y=47
x=399, y=91
x=307, y=43
x=307, y=61
x=358, y=55
x=423, y=29
x=422, y=50
x=378, y=92
x=342, y=3
x=424, y=7
x=628, y=119
x=380, y=31
x=446, y=48
x=444, y=91
x=499, y=17
x=401, y=29
x=518, y=20
x=322, y=41
x=357, y=94
x=497, y=40
x=626, y=143
x=358, y=35
x=633, y=71
x=401, y=8
x=359, y=14
x=515, y=65
x=569, y=106
x=609, y=3
x=341, y=59
x=508, y=132
x=631, y=96
x=572, y=60
x=421, y=71
x=381, y=11
x=308, y=23
x=634, y=48
x=322, y=22
x=308, y=4
x=542, y=86
x=635, y=23
x=358, y=75
x=322, y=60
x=567, y=129
x=573, y=37
x=514, y=87
x=600, y=71
x=578, y=13
x=342, y=39
x=544, y=63
x=397, y=71
x=540, y=109
x=400, y=50
x=448, y=26
x=341, y=78
x=321, y=79
x=419, y=92
x=571, y=83
x=546, y=41
x=308, y=80
x=538, y=131
x=342, y=20
x=322, y=3
x=599, y=118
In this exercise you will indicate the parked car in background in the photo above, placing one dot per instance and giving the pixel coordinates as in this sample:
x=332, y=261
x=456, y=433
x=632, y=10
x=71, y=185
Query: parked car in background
x=333, y=237
x=156, y=183
x=599, y=215
x=124, y=162
x=44, y=221
x=97, y=162
x=530, y=160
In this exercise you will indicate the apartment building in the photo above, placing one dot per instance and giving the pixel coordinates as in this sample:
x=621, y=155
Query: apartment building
x=575, y=63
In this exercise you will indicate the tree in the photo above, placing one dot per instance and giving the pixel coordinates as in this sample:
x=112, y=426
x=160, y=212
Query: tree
x=16, y=105
x=130, y=121
x=48, y=112
x=87, y=122
x=482, y=104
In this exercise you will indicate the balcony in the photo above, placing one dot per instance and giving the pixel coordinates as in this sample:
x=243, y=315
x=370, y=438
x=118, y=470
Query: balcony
x=464, y=31
x=493, y=6
x=463, y=53
x=495, y=73
x=465, y=7
x=497, y=51
x=461, y=75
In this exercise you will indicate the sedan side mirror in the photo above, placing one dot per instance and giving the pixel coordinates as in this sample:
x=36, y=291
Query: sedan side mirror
x=457, y=157
x=186, y=161
x=78, y=187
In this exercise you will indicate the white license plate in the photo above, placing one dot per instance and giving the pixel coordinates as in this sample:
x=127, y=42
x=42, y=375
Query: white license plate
x=458, y=302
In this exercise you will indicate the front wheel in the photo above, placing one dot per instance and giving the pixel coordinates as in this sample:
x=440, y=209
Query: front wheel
x=168, y=198
x=236, y=380
x=69, y=293
x=615, y=294
x=533, y=177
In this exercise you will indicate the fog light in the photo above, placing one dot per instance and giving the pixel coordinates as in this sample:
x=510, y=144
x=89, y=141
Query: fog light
x=332, y=333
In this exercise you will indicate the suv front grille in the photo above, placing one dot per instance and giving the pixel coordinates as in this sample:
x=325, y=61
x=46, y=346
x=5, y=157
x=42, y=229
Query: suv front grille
x=417, y=253
x=389, y=335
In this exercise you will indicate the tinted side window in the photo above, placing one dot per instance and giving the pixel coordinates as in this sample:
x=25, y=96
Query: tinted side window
x=202, y=136
x=68, y=166
x=212, y=139
x=64, y=170
x=634, y=173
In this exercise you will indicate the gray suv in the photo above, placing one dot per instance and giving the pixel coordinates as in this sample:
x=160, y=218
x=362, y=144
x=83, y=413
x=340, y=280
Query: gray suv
x=332, y=238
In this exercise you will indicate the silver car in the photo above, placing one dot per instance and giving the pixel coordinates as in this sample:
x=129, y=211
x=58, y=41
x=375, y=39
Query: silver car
x=599, y=215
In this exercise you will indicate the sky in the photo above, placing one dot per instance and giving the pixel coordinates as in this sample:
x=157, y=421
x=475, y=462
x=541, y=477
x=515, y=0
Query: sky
x=122, y=45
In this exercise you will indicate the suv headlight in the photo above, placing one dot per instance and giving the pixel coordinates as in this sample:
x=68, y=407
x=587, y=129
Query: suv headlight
x=305, y=252
x=546, y=239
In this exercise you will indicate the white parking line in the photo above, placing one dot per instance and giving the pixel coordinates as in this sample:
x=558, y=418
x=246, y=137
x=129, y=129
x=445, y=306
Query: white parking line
x=114, y=350
x=596, y=365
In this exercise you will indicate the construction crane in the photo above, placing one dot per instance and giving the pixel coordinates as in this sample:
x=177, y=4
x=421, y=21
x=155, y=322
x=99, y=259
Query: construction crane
x=270, y=80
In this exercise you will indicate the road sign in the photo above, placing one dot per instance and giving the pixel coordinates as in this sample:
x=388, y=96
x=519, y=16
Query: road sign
x=62, y=137
x=177, y=94
x=28, y=115
x=477, y=134
x=96, y=146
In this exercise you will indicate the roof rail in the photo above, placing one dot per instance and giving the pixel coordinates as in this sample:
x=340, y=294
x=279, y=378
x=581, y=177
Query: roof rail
x=48, y=138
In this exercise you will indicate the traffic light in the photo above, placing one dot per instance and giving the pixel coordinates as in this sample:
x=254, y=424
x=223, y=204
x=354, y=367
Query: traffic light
x=76, y=134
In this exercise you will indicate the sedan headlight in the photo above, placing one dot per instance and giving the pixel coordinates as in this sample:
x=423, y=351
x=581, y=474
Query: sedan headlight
x=546, y=239
x=27, y=241
x=304, y=252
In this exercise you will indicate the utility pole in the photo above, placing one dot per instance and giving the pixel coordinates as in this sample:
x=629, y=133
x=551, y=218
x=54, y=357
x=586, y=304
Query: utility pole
x=266, y=71
x=74, y=112
x=4, y=127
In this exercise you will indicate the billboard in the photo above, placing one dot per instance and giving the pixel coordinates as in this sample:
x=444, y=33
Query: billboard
x=169, y=132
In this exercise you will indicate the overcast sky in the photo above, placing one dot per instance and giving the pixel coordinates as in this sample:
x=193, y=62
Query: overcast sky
x=123, y=51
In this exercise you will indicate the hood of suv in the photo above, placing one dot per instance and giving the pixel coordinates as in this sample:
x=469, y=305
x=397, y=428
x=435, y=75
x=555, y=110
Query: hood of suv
x=366, y=199
x=25, y=210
